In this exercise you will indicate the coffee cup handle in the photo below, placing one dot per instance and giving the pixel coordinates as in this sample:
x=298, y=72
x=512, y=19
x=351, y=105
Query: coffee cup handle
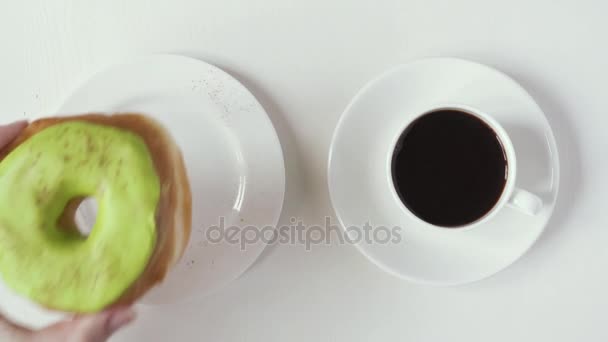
x=525, y=201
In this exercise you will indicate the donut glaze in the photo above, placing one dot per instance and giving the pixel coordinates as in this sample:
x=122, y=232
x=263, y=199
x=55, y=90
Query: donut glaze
x=42, y=257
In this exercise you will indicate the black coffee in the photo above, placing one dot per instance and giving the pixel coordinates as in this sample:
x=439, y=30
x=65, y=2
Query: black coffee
x=449, y=168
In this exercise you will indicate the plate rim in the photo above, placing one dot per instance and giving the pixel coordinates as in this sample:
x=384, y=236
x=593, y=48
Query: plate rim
x=279, y=183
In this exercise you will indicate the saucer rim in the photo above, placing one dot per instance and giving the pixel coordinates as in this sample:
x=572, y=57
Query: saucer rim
x=552, y=145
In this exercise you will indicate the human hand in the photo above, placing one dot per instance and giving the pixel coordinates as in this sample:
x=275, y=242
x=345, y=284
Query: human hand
x=88, y=328
x=10, y=132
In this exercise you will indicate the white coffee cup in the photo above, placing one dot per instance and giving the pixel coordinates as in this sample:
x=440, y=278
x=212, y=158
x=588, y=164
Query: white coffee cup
x=512, y=196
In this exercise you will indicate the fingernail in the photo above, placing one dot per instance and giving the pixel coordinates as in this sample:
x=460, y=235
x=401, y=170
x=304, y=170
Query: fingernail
x=120, y=318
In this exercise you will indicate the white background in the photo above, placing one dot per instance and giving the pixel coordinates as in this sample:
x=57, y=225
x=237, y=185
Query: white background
x=304, y=60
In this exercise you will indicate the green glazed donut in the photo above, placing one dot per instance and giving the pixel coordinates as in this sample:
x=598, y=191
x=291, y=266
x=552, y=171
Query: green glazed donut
x=48, y=262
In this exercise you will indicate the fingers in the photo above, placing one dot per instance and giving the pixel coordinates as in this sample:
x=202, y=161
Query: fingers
x=8, y=330
x=91, y=328
x=12, y=332
x=10, y=132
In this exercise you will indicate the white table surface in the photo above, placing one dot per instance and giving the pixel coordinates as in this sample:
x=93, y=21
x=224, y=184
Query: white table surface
x=304, y=60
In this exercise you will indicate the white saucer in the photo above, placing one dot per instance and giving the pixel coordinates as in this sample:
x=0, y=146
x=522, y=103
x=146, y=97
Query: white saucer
x=360, y=191
x=232, y=154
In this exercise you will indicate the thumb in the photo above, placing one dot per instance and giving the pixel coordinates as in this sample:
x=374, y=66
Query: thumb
x=91, y=328
x=12, y=332
x=10, y=132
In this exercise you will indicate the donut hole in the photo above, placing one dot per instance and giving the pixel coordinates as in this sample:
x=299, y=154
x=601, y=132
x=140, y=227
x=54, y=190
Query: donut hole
x=86, y=215
x=79, y=216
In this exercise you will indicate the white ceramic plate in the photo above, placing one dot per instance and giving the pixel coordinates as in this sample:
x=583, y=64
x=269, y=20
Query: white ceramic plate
x=360, y=191
x=232, y=154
